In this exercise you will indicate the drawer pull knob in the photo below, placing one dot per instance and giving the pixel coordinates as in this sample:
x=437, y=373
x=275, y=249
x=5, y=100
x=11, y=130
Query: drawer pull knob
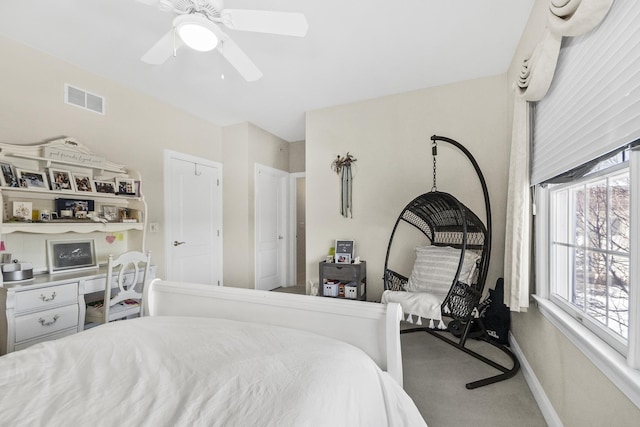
x=53, y=296
x=45, y=323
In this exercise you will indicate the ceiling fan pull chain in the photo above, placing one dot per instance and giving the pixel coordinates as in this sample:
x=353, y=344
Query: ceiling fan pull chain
x=175, y=49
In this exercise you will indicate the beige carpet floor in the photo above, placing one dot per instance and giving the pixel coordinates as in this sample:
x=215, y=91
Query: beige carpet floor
x=435, y=374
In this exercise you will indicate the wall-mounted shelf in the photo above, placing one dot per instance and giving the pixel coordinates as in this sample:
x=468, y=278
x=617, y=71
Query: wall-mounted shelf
x=67, y=156
x=34, y=193
x=69, y=227
x=46, y=162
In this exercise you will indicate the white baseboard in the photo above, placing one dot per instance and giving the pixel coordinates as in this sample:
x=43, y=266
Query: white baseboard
x=548, y=412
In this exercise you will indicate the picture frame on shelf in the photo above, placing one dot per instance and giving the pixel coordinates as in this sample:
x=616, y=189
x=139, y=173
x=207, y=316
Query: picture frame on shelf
x=105, y=187
x=72, y=206
x=61, y=180
x=23, y=210
x=83, y=183
x=125, y=187
x=32, y=179
x=8, y=176
x=343, y=259
x=111, y=213
x=70, y=255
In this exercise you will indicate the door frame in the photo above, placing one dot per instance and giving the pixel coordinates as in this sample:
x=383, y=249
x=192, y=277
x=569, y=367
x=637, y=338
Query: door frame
x=292, y=226
x=286, y=228
x=168, y=155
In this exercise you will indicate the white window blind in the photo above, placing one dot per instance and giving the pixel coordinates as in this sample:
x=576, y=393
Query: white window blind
x=593, y=105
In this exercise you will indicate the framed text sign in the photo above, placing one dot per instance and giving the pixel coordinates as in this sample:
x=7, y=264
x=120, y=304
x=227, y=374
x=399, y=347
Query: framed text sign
x=344, y=251
x=66, y=255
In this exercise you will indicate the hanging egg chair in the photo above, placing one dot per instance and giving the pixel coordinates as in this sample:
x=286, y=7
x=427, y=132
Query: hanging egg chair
x=449, y=275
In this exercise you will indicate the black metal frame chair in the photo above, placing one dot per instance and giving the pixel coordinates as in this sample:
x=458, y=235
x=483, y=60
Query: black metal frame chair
x=445, y=221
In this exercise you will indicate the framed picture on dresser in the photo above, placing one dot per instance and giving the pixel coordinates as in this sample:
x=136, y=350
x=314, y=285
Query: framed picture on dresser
x=61, y=180
x=32, y=179
x=8, y=176
x=67, y=255
x=83, y=183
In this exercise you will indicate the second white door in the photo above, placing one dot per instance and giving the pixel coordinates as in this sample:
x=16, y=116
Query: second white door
x=271, y=200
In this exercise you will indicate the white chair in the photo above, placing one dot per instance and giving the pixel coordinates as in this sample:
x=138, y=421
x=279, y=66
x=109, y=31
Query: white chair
x=126, y=299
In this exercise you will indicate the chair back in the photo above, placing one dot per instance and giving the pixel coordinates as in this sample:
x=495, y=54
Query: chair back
x=118, y=269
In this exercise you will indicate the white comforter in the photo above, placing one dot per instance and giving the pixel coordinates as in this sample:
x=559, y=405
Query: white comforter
x=178, y=371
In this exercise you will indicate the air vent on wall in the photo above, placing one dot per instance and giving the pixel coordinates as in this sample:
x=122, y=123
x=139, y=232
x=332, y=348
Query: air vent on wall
x=83, y=99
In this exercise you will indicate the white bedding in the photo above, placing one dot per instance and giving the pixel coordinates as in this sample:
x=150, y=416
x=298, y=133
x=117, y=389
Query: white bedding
x=180, y=371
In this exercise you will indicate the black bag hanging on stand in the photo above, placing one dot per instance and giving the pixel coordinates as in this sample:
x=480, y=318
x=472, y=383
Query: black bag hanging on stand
x=497, y=316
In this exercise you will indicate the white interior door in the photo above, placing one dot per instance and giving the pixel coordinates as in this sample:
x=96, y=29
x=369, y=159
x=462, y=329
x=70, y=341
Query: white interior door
x=271, y=201
x=193, y=209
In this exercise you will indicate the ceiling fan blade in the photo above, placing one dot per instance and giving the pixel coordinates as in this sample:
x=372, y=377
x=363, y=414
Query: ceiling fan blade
x=162, y=50
x=240, y=61
x=263, y=21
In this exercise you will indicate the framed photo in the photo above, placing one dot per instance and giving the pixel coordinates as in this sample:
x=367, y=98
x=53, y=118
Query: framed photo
x=61, y=180
x=111, y=213
x=83, y=183
x=23, y=210
x=8, y=175
x=125, y=186
x=344, y=251
x=67, y=255
x=71, y=206
x=343, y=259
x=32, y=179
x=105, y=187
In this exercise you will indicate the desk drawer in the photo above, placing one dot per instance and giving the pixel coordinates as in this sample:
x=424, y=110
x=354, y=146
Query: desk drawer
x=97, y=285
x=46, y=322
x=44, y=298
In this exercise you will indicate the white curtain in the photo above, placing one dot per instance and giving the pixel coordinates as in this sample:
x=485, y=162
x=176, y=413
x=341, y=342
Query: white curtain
x=564, y=18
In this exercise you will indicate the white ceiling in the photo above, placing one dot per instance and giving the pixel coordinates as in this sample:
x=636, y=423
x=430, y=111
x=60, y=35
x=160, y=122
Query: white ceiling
x=354, y=50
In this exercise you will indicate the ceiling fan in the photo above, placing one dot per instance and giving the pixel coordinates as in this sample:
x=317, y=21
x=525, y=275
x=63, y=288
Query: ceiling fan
x=197, y=25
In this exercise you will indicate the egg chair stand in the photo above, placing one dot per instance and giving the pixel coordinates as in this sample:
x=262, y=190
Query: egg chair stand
x=445, y=221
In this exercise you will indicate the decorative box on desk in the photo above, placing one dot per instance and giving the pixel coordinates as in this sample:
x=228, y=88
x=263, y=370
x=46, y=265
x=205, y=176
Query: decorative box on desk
x=343, y=280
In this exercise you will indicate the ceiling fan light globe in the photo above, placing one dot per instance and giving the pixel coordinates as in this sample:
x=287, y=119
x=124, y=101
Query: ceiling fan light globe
x=197, y=37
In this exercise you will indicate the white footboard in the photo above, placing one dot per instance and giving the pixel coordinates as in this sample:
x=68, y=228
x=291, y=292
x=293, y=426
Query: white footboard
x=372, y=327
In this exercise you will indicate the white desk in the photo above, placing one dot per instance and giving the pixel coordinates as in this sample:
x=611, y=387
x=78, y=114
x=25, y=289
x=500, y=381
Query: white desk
x=49, y=306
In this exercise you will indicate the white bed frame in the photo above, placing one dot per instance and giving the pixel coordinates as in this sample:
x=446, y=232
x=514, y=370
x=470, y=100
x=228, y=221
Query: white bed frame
x=372, y=327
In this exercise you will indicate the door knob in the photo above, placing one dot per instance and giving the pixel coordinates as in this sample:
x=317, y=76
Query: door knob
x=176, y=243
x=280, y=237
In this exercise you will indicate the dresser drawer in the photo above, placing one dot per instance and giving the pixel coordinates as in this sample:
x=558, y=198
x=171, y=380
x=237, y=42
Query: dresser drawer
x=29, y=343
x=44, y=298
x=46, y=322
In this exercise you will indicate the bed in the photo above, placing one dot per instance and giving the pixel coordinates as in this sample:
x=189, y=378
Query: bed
x=218, y=356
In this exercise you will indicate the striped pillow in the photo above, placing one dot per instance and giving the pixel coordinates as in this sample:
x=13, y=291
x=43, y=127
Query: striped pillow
x=435, y=268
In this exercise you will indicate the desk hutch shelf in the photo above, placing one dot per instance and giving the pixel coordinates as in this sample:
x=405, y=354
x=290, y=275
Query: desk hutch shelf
x=50, y=306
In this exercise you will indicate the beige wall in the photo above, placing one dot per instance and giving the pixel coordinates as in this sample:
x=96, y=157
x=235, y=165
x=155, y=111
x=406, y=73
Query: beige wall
x=390, y=138
x=134, y=131
x=245, y=145
x=579, y=392
x=296, y=156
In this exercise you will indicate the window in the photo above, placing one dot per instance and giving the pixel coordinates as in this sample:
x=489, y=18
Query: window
x=587, y=258
x=589, y=250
